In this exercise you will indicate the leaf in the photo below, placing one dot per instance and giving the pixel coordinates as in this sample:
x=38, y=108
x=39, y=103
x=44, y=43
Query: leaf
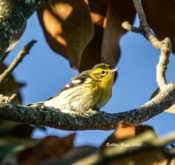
x=67, y=27
x=116, y=14
x=107, y=17
x=8, y=128
x=144, y=148
x=125, y=132
x=51, y=147
x=160, y=16
x=122, y=132
x=92, y=53
x=10, y=149
x=148, y=157
x=142, y=128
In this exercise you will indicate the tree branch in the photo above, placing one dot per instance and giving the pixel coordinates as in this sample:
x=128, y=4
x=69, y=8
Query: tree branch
x=98, y=120
x=25, y=50
x=13, y=15
x=161, y=67
x=164, y=46
x=144, y=27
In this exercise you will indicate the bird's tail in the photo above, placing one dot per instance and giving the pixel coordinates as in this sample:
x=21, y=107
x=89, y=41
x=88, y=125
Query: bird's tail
x=39, y=104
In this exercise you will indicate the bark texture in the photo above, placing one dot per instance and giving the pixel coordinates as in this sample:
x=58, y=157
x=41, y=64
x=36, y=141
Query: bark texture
x=13, y=15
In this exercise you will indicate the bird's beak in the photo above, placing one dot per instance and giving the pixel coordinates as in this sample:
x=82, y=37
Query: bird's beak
x=114, y=70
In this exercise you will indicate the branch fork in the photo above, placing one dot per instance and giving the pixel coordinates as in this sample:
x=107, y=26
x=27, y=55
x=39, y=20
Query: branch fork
x=164, y=46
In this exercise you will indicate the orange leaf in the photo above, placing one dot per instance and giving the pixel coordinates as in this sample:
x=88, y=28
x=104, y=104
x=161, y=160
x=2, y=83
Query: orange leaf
x=122, y=132
x=51, y=147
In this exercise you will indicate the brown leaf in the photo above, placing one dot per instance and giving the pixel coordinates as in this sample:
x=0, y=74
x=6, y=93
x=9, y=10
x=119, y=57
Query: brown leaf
x=107, y=17
x=51, y=147
x=92, y=53
x=75, y=154
x=9, y=129
x=126, y=131
x=142, y=128
x=67, y=27
x=122, y=132
x=117, y=12
x=160, y=16
x=149, y=157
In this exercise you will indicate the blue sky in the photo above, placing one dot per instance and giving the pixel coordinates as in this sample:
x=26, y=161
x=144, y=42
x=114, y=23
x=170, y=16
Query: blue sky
x=45, y=73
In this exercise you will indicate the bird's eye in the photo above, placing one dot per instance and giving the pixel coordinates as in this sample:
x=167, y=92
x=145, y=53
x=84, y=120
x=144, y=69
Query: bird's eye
x=103, y=72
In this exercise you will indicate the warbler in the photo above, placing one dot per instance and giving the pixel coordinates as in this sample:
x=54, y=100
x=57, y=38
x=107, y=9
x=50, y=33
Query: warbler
x=91, y=89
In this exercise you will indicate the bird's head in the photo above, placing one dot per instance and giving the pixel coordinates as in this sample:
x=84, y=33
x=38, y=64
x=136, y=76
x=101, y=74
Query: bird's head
x=103, y=74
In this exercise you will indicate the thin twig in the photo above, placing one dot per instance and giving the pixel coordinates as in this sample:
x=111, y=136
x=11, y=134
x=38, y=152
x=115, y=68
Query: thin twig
x=126, y=25
x=164, y=46
x=145, y=29
x=3, y=57
x=25, y=50
x=161, y=67
x=12, y=97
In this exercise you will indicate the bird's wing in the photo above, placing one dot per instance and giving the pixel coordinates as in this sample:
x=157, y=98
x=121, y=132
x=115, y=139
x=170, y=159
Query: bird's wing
x=79, y=79
x=75, y=81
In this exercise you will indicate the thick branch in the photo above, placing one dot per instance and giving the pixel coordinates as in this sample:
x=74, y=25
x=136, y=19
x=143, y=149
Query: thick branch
x=24, y=51
x=98, y=120
x=13, y=14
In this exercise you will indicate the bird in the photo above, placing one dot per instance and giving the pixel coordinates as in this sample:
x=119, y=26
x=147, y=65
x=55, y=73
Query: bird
x=91, y=89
